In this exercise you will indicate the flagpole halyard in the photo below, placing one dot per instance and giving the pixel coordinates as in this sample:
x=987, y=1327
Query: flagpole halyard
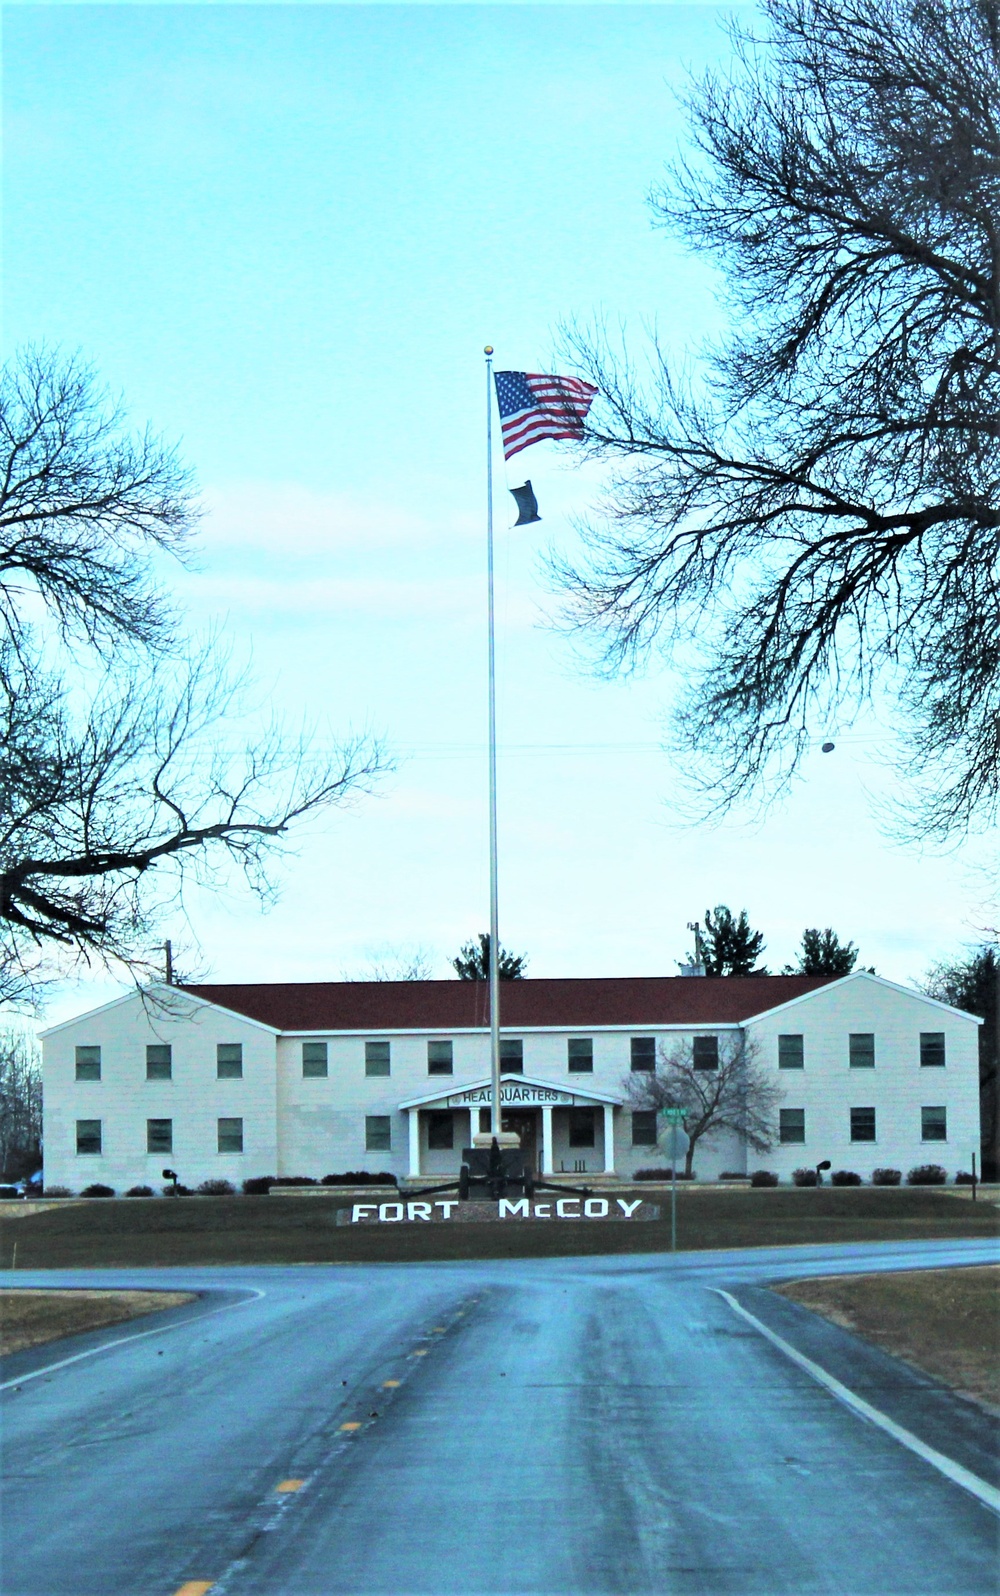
x=494, y=972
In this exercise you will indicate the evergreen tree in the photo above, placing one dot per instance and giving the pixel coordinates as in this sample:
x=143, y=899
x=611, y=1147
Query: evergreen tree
x=473, y=962
x=729, y=946
x=973, y=984
x=823, y=953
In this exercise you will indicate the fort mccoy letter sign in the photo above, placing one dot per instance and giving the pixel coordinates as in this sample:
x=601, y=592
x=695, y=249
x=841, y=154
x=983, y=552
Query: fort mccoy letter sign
x=427, y=1212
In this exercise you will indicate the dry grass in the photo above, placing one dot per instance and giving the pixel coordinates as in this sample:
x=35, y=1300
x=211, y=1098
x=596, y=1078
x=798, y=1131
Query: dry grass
x=945, y=1321
x=30, y=1318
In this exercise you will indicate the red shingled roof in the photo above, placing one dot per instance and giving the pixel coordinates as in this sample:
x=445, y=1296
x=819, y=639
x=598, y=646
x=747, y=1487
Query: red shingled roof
x=454, y=1005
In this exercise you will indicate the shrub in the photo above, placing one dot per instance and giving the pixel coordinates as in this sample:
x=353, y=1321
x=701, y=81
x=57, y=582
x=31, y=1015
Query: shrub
x=97, y=1190
x=660, y=1174
x=886, y=1177
x=216, y=1188
x=845, y=1177
x=360, y=1177
x=926, y=1175
x=805, y=1177
x=56, y=1191
x=259, y=1185
x=140, y=1191
x=177, y=1191
x=296, y=1180
x=965, y=1177
x=763, y=1177
x=735, y=1174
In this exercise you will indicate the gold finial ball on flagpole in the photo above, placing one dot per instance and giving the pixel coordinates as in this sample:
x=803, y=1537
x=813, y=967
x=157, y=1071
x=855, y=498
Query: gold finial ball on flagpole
x=488, y=349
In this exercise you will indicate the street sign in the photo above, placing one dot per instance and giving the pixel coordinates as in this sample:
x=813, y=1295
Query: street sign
x=674, y=1116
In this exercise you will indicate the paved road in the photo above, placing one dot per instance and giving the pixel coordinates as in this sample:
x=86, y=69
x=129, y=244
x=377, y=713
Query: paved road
x=559, y=1428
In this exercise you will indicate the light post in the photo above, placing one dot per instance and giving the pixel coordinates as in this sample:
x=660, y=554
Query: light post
x=674, y=1117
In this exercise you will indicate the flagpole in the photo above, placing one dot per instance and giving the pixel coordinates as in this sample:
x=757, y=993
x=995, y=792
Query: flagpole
x=495, y=1121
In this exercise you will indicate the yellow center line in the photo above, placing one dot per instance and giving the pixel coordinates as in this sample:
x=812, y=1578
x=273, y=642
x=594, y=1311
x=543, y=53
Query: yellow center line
x=439, y=1330
x=290, y=1485
x=195, y=1587
x=387, y=1385
x=421, y=1352
x=352, y=1424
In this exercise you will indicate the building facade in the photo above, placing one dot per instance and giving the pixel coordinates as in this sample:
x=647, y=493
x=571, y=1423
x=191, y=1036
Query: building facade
x=228, y=1082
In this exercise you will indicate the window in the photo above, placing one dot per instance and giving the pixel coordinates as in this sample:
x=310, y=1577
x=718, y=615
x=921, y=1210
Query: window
x=159, y=1135
x=314, y=1060
x=790, y=1053
x=511, y=1055
x=581, y=1127
x=440, y=1130
x=88, y=1136
x=644, y=1052
x=706, y=1052
x=791, y=1125
x=159, y=1062
x=862, y=1124
x=581, y=1055
x=377, y=1058
x=932, y=1049
x=378, y=1132
x=229, y=1061
x=644, y=1127
x=862, y=1050
x=88, y=1065
x=439, y=1058
x=934, y=1124
x=230, y=1136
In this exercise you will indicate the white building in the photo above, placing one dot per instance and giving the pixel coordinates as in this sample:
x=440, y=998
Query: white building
x=314, y=1078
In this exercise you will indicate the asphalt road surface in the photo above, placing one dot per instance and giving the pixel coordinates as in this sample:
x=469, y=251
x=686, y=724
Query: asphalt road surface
x=560, y=1427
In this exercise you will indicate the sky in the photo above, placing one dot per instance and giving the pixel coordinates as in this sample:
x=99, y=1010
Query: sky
x=284, y=233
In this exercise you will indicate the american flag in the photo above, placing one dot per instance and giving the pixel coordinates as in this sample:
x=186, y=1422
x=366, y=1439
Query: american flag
x=533, y=407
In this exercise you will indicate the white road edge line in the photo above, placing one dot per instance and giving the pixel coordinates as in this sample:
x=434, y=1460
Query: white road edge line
x=988, y=1494
x=140, y=1335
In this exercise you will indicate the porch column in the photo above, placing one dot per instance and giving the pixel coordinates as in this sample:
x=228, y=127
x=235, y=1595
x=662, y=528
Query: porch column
x=609, y=1138
x=547, y=1162
x=473, y=1125
x=414, y=1129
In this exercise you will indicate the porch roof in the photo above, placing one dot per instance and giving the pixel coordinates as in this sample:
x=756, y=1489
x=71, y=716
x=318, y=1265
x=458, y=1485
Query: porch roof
x=516, y=1091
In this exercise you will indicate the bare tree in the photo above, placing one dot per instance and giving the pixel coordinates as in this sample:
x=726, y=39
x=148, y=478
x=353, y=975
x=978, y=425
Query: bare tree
x=734, y=1094
x=20, y=1104
x=398, y=963
x=820, y=515
x=122, y=769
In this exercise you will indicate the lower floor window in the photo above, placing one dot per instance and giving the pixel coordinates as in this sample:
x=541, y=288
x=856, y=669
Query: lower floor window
x=378, y=1133
x=934, y=1124
x=230, y=1136
x=440, y=1130
x=581, y=1127
x=644, y=1127
x=792, y=1124
x=862, y=1124
x=159, y=1135
x=88, y=1136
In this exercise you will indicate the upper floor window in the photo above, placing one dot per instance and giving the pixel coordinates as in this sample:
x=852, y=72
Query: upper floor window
x=512, y=1055
x=314, y=1059
x=580, y=1050
x=581, y=1127
x=644, y=1052
x=932, y=1049
x=159, y=1061
x=439, y=1058
x=377, y=1058
x=862, y=1124
x=229, y=1062
x=88, y=1064
x=88, y=1136
x=791, y=1053
x=705, y=1050
x=861, y=1047
x=934, y=1124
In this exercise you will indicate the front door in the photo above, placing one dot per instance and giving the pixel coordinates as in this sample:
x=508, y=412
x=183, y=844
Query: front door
x=524, y=1122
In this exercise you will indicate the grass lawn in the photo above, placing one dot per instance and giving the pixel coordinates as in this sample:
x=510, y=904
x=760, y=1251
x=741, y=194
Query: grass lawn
x=946, y=1321
x=29, y=1318
x=233, y=1230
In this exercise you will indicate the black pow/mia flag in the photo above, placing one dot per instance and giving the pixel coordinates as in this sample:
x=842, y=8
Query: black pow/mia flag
x=527, y=505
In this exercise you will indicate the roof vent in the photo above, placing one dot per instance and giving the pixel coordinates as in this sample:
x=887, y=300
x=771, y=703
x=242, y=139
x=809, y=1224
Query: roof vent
x=691, y=969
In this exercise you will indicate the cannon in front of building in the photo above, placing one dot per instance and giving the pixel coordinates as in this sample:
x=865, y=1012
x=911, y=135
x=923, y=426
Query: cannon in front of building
x=489, y=1173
